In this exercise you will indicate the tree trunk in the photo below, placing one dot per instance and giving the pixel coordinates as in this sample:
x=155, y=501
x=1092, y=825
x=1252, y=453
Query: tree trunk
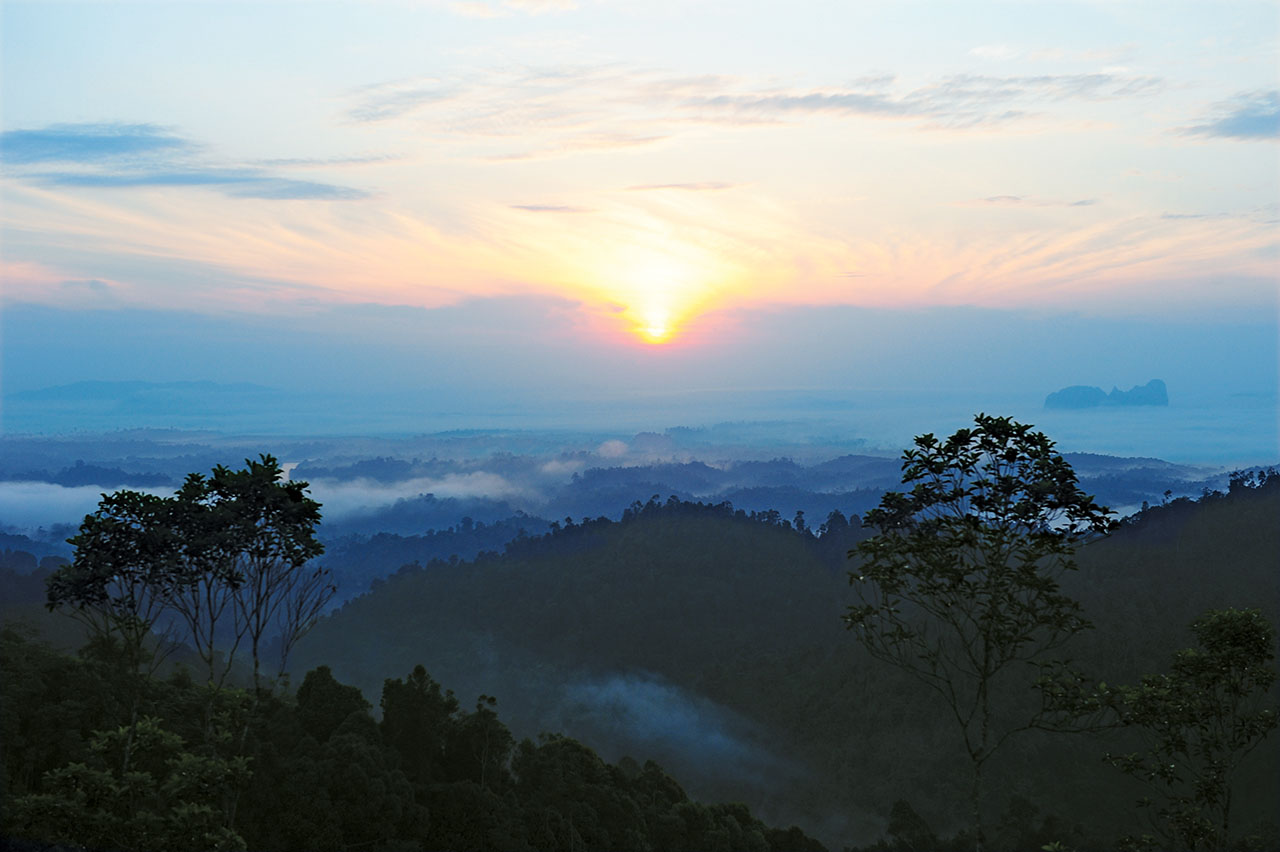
x=128, y=740
x=975, y=804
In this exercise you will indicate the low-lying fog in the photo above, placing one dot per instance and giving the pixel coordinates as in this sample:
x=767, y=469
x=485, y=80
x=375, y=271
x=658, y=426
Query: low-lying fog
x=411, y=485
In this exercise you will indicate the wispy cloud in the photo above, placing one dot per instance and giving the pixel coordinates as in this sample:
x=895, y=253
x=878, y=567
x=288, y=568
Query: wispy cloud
x=957, y=101
x=325, y=162
x=550, y=208
x=574, y=108
x=382, y=101
x=238, y=183
x=995, y=51
x=1028, y=201
x=700, y=186
x=1252, y=115
x=144, y=155
x=89, y=143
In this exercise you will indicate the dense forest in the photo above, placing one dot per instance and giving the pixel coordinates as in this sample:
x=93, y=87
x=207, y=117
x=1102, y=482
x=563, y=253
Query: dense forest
x=314, y=769
x=731, y=623
x=692, y=636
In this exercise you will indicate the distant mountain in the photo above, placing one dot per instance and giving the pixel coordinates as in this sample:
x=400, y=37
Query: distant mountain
x=126, y=391
x=91, y=474
x=1153, y=392
x=109, y=406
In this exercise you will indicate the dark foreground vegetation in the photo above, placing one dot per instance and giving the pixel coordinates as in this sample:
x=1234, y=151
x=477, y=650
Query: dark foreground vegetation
x=705, y=637
x=231, y=769
x=102, y=752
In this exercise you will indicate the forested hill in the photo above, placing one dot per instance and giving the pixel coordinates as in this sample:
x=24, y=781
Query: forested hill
x=710, y=640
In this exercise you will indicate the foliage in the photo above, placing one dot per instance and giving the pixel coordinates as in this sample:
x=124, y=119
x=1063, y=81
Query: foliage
x=325, y=776
x=169, y=799
x=230, y=547
x=960, y=583
x=1198, y=722
x=269, y=536
x=746, y=614
x=415, y=720
x=125, y=569
x=717, y=605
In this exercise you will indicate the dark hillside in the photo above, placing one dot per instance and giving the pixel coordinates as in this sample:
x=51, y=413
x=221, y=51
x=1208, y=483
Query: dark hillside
x=711, y=641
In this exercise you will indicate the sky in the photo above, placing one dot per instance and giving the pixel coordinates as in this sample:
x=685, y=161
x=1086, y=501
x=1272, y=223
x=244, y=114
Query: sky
x=640, y=196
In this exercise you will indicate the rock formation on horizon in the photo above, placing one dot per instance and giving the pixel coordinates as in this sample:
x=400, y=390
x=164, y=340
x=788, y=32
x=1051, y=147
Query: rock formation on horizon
x=1153, y=392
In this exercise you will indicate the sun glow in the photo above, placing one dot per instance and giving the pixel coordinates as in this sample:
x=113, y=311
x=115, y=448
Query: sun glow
x=656, y=328
x=660, y=291
x=653, y=279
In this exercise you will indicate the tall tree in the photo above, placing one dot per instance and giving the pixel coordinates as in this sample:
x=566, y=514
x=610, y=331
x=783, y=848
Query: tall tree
x=226, y=557
x=119, y=584
x=126, y=562
x=271, y=525
x=204, y=599
x=959, y=584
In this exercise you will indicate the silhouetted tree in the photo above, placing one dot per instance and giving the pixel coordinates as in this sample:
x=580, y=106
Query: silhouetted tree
x=126, y=563
x=118, y=586
x=960, y=582
x=269, y=529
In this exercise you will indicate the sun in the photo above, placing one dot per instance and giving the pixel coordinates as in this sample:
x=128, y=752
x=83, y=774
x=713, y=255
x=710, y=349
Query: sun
x=656, y=288
x=656, y=327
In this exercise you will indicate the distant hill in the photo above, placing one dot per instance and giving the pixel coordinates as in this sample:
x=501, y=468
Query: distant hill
x=131, y=391
x=110, y=406
x=710, y=640
x=1153, y=392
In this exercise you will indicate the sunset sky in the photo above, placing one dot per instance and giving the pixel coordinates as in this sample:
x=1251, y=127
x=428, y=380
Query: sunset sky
x=611, y=182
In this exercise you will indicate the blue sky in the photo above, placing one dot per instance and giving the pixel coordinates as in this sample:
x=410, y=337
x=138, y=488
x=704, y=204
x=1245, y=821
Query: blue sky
x=633, y=196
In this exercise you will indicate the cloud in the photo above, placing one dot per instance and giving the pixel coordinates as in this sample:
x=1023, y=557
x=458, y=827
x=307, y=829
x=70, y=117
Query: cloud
x=360, y=496
x=856, y=103
x=92, y=285
x=547, y=111
x=30, y=505
x=703, y=186
x=121, y=156
x=283, y=189
x=325, y=162
x=550, y=208
x=646, y=711
x=88, y=143
x=995, y=51
x=88, y=292
x=612, y=449
x=239, y=183
x=1253, y=115
x=383, y=101
x=1029, y=201
x=955, y=101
